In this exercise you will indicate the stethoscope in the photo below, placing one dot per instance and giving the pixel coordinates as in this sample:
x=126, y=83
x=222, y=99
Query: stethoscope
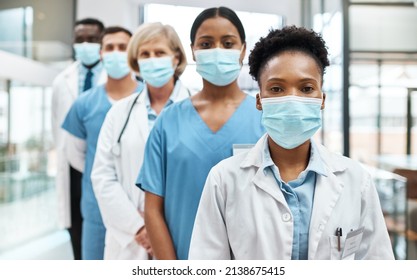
x=116, y=147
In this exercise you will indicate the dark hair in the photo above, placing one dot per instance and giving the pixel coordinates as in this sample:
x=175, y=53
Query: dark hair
x=218, y=12
x=91, y=21
x=112, y=30
x=290, y=38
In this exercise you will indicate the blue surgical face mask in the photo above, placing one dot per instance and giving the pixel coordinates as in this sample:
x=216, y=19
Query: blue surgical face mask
x=87, y=53
x=156, y=71
x=218, y=66
x=291, y=120
x=115, y=64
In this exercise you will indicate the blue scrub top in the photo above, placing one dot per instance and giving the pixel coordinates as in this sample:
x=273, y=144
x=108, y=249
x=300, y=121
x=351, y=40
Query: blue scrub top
x=181, y=150
x=84, y=120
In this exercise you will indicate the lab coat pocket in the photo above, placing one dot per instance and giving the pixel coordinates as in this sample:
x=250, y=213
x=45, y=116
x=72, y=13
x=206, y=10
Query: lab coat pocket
x=335, y=253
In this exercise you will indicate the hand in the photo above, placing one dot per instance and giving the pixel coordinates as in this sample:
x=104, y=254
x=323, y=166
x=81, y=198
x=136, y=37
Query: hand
x=142, y=239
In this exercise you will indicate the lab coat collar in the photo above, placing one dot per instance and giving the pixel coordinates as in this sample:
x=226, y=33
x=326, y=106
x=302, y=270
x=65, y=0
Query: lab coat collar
x=179, y=93
x=331, y=163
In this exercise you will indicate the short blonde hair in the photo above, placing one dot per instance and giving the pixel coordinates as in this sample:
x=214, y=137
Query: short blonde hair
x=149, y=31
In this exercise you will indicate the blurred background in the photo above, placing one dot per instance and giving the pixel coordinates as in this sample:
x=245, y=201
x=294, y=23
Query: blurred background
x=370, y=115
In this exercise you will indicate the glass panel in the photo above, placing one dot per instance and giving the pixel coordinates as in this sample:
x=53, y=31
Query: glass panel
x=329, y=25
x=16, y=31
x=414, y=122
x=375, y=28
x=27, y=194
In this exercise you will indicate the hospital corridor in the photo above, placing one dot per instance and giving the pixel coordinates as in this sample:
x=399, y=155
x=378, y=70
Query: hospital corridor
x=206, y=130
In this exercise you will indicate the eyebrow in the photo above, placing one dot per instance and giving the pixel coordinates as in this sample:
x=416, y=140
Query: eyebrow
x=283, y=80
x=211, y=37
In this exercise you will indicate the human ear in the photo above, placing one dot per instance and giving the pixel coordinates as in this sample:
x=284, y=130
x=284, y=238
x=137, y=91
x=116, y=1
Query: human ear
x=192, y=51
x=323, y=102
x=258, y=102
x=242, y=54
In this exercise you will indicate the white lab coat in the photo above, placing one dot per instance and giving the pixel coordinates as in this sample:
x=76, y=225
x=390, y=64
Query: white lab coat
x=243, y=213
x=114, y=177
x=64, y=93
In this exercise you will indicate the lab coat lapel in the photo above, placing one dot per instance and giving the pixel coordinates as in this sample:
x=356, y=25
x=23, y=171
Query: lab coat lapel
x=327, y=193
x=141, y=116
x=72, y=81
x=269, y=185
x=265, y=182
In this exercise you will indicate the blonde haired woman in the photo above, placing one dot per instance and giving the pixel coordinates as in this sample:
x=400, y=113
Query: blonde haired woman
x=156, y=54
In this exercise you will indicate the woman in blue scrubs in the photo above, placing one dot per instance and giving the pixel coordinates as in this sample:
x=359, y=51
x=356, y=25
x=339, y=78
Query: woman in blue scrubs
x=191, y=136
x=83, y=122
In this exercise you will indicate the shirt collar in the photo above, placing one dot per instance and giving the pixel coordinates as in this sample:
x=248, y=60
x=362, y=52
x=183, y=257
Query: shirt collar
x=96, y=69
x=171, y=99
x=315, y=164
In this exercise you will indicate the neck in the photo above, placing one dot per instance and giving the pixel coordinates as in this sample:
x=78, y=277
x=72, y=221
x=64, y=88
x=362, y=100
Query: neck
x=162, y=94
x=117, y=89
x=220, y=93
x=91, y=66
x=295, y=159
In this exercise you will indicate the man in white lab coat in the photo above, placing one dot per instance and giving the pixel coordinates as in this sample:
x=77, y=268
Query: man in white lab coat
x=84, y=73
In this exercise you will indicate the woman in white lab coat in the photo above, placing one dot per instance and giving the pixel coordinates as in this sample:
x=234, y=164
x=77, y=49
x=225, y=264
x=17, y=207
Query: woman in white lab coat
x=289, y=197
x=156, y=53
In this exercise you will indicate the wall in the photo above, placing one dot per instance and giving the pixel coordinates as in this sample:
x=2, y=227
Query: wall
x=126, y=12
x=55, y=16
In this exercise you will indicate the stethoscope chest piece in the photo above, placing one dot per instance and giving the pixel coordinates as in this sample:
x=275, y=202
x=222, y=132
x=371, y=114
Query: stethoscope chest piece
x=116, y=149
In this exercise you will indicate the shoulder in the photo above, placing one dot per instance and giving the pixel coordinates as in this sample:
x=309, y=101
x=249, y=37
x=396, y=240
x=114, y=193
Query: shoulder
x=69, y=70
x=87, y=99
x=92, y=94
x=126, y=101
x=177, y=108
x=342, y=165
x=121, y=108
x=249, y=106
x=230, y=166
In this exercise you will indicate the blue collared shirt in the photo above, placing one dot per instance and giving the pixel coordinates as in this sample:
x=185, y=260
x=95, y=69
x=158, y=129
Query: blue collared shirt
x=152, y=115
x=83, y=72
x=299, y=194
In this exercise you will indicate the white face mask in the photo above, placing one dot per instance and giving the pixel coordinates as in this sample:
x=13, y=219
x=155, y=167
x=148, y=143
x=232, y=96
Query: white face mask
x=291, y=120
x=218, y=66
x=115, y=64
x=87, y=53
x=156, y=71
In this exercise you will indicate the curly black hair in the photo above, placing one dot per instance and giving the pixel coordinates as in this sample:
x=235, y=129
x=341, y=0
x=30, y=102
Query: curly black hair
x=289, y=38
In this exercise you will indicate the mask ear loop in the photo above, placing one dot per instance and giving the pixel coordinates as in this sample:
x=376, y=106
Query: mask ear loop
x=241, y=50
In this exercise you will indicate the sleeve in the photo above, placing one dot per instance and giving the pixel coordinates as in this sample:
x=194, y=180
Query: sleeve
x=75, y=150
x=75, y=138
x=152, y=174
x=73, y=122
x=375, y=243
x=120, y=216
x=209, y=240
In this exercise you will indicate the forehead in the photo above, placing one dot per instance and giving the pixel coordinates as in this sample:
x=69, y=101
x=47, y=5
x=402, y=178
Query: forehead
x=156, y=42
x=290, y=66
x=86, y=29
x=217, y=26
x=291, y=63
x=116, y=38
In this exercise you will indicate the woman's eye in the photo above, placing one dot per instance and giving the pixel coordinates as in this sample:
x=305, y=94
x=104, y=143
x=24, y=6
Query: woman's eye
x=205, y=45
x=144, y=55
x=307, y=89
x=276, y=89
x=159, y=53
x=228, y=45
